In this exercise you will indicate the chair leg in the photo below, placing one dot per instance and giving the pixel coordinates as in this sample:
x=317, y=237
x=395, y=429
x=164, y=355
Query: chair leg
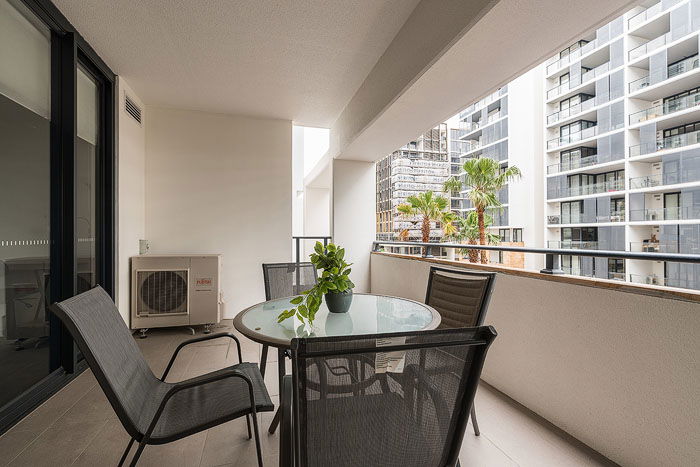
x=263, y=360
x=258, y=449
x=126, y=452
x=474, y=422
x=247, y=422
x=135, y=459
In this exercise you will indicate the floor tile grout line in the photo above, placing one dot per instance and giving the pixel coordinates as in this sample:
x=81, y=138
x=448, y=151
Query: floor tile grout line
x=97, y=432
x=52, y=423
x=204, y=446
x=500, y=449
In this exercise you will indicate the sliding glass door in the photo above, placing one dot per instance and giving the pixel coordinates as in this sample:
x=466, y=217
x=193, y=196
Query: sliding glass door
x=56, y=195
x=25, y=186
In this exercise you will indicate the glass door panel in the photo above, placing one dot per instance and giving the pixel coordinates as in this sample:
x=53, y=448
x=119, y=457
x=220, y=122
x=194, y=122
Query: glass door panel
x=86, y=177
x=25, y=100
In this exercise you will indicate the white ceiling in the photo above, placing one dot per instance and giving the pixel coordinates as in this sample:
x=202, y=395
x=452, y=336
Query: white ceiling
x=299, y=60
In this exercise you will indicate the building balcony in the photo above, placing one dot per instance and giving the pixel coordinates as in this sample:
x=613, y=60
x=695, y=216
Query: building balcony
x=667, y=108
x=572, y=111
x=649, y=46
x=662, y=179
x=586, y=77
x=654, y=247
x=573, y=55
x=580, y=218
x=653, y=279
x=684, y=66
x=575, y=164
x=671, y=142
x=585, y=190
x=642, y=16
x=573, y=244
x=572, y=138
x=665, y=214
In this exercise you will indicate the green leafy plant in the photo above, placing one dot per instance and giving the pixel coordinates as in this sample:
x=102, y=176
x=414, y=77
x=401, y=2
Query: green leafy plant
x=335, y=278
x=469, y=232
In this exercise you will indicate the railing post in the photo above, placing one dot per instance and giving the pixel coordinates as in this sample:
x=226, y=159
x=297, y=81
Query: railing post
x=325, y=242
x=552, y=265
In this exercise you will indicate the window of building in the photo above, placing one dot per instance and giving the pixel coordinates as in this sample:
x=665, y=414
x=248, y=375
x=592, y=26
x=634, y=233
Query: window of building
x=572, y=212
x=682, y=129
x=504, y=234
x=517, y=235
x=616, y=268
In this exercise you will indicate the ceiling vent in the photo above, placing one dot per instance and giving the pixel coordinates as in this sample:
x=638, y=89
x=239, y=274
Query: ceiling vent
x=132, y=109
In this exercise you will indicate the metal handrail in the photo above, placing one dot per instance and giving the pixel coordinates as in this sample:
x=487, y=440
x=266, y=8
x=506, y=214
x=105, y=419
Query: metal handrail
x=551, y=254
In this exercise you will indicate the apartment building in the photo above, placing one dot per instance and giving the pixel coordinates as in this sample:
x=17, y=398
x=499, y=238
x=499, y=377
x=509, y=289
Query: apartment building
x=419, y=166
x=505, y=126
x=622, y=154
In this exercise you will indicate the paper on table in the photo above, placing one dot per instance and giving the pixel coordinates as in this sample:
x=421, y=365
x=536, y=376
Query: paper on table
x=391, y=362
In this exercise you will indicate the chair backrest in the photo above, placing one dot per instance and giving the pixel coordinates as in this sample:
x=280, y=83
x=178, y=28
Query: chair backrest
x=114, y=358
x=406, y=401
x=288, y=279
x=461, y=297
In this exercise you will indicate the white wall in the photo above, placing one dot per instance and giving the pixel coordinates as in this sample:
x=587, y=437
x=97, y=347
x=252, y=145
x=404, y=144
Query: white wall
x=525, y=148
x=617, y=370
x=220, y=184
x=353, y=215
x=131, y=196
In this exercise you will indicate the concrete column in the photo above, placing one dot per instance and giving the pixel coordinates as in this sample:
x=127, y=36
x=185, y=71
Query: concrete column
x=353, y=204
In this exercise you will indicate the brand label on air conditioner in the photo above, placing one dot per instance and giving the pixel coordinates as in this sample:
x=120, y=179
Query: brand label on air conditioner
x=203, y=284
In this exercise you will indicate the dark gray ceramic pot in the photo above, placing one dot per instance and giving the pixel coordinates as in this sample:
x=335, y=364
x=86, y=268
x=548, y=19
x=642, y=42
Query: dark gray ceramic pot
x=338, y=302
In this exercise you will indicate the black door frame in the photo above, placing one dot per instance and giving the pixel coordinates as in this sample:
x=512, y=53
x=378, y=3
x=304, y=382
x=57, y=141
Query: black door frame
x=68, y=49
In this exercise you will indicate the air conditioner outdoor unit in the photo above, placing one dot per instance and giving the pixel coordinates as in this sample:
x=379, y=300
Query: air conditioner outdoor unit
x=175, y=290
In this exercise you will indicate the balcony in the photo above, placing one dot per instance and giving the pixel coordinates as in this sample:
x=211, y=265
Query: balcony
x=571, y=111
x=573, y=55
x=572, y=138
x=671, y=142
x=676, y=69
x=653, y=279
x=580, y=218
x=575, y=164
x=586, y=77
x=654, y=247
x=650, y=46
x=665, y=214
x=642, y=16
x=584, y=190
x=663, y=179
x=573, y=244
x=667, y=108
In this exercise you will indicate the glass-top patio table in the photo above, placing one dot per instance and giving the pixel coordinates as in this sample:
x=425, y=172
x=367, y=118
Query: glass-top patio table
x=368, y=314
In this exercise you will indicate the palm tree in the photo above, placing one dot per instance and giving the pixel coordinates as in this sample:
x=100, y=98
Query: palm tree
x=483, y=178
x=430, y=207
x=469, y=232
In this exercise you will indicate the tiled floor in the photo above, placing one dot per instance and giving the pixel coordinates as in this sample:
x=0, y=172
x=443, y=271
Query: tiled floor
x=78, y=427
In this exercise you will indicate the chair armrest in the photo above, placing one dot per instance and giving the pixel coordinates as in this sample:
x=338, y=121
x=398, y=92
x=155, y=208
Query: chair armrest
x=200, y=339
x=177, y=387
x=286, y=423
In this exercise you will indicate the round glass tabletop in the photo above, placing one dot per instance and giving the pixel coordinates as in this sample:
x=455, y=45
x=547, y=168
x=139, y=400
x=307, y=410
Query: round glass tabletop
x=368, y=314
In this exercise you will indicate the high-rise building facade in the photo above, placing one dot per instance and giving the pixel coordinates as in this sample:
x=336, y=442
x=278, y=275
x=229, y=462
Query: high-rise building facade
x=419, y=166
x=622, y=154
x=506, y=126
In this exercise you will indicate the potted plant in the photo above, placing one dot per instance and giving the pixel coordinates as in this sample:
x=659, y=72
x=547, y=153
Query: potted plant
x=334, y=285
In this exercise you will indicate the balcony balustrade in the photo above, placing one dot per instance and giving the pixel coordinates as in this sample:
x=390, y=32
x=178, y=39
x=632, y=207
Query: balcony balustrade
x=590, y=189
x=650, y=46
x=642, y=16
x=552, y=67
x=574, y=164
x=573, y=244
x=571, y=111
x=573, y=83
x=671, y=142
x=665, y=214
x=669, y=107
x=676, y=69
x=573, y=137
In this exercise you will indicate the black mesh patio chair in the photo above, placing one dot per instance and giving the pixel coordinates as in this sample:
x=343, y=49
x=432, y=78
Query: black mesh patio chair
x=462, y=299
x=151, y=410
x=285, y=280
x=393, y=413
